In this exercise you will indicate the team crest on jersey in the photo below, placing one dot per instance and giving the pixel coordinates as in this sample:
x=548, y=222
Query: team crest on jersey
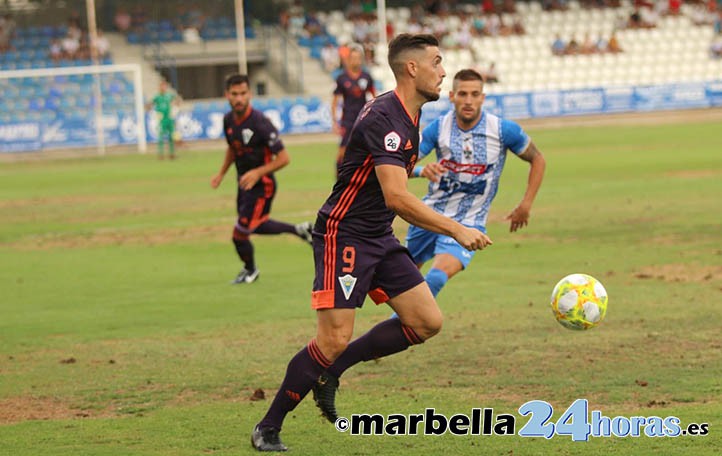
x=363, y=83
x=247, y=134
x=347, y=283
x=392, y=141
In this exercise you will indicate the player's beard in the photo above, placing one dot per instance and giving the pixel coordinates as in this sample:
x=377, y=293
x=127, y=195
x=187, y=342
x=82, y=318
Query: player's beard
x=239, y=109
x=429, y=95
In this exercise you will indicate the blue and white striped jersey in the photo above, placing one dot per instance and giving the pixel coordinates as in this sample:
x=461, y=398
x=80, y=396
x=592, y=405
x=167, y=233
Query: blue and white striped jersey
x=474, y=160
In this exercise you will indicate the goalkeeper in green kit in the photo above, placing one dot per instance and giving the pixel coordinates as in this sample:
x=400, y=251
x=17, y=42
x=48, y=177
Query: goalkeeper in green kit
x=162, y=104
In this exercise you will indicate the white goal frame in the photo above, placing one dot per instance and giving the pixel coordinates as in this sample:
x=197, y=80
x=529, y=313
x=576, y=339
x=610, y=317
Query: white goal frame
x=133, y=68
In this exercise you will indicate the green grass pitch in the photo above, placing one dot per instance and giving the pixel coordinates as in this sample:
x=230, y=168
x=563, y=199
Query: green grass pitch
x=119, y=332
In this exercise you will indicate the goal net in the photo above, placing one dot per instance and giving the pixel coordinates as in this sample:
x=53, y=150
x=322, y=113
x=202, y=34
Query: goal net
x=72, y=107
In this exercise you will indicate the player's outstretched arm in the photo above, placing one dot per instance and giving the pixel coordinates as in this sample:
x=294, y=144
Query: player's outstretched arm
x=249, y=179
x=519, y=217
x=397, y=197
x=227, y=161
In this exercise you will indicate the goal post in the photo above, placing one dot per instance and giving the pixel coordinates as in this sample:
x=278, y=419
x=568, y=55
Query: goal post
x=52, y=108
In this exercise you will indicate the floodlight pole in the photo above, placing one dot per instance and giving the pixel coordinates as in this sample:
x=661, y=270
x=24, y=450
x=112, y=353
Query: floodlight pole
x=93, y=36
x=381, y=21
x=241, y=37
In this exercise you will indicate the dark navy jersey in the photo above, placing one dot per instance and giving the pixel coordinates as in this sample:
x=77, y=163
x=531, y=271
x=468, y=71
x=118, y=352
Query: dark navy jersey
x=354, y=92
x=384, y=134
x=252, y=138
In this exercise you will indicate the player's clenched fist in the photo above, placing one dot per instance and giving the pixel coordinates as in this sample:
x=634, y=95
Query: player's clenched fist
x=472, y=239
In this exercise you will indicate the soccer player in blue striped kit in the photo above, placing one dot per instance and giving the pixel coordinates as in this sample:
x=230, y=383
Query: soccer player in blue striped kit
x=471, y=148
x=355, y=251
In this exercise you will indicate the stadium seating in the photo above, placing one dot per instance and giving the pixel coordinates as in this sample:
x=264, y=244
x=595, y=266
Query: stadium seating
x=675, y=51
x=164, y=31
x=46, y=99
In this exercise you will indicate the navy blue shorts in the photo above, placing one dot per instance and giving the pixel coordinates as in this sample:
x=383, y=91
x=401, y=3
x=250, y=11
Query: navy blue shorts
x=348, y=268
x=254, y=206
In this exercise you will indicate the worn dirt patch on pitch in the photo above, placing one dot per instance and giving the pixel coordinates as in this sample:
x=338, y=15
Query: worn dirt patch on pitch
x=106, y=238
x=695, y=173
x=18, y=409
x=681, y=273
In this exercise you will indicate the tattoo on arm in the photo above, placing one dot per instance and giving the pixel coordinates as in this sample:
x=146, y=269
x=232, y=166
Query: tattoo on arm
x=530, y=153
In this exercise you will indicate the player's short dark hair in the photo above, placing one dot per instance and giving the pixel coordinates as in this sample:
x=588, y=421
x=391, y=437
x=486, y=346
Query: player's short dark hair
x=407, y=42
x=467, y=74
x=235, y=79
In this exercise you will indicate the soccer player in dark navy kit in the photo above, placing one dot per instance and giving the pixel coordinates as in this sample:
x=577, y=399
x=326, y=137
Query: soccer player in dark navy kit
x=256, y=149
x=351, y=88
x=355, y=251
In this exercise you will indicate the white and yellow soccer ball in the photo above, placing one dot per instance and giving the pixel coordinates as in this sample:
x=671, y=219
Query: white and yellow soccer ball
x=579, y=301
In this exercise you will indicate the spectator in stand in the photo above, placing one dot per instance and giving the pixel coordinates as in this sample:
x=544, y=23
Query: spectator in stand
x=650, y=17
x=479, y=26
x=700, y=15
x=588, y=46
x=602, y=45
x=559, y=46
x=354, y=10
x=56, y=50
x=7, y=31
x=492, y=25
x=674, y=7
x=517, y=27
x=432, y=7
x=635, y=19
x=102, y=45
x=488, y=7
x=509, y=6
x=715, y=49
x=70, y=46
x=464, y=35
x=361, y=31
x=138, y=18
x=718, y=24
x=414, y=26
x=573, y=47
x=613, y=45
x=491, y=76
x=312, y=25
x=284, y=19
x=4, y=41
x=122, y=20
x=343, y=53
x=368, y=9
x=330, y=58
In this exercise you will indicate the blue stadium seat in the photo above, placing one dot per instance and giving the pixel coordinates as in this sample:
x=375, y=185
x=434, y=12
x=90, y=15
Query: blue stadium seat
x=133, y=38
x=52, y=103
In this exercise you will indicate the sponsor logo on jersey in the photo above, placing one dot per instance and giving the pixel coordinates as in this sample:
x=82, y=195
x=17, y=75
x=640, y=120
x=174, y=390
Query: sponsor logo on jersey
x=469, y=168
x=408, y=145
x=392, y=141
x=363, y=83
x=347, y=283
x=247, y=134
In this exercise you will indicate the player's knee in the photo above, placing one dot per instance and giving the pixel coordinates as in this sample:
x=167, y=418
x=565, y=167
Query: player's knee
x=332, y=345
x=429, y=326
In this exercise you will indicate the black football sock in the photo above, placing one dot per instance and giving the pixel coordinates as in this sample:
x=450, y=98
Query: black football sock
x=384, y=339
x=301, y=374
x=245, y=252
x=274, y=227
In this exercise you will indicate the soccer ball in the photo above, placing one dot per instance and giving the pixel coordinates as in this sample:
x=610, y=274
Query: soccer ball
x=579, y=301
